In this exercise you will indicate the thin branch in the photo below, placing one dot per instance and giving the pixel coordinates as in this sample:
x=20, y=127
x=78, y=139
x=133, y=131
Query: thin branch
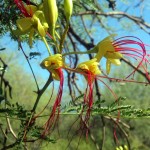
x=122, y=131
x=29, y=64
x=40, y=92
x=10, y=146
x=116, y=14
x=88, y=46
x=77, y=37
x=3, y=131
x=88, y=33
x=103, y=132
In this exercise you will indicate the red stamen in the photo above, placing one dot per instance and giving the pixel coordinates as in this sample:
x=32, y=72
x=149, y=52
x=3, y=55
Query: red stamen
x=49, y=35
x=56, y=107
x=112, y=92
x=120, y=80
x=118, y=117
x=21, y=7
x=88, y=102
x=135, y=53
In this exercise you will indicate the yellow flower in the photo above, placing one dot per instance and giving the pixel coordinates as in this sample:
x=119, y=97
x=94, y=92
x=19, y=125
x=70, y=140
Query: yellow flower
x=89, y=67
x=31, y=24
x=52, y=63
x=106, y=49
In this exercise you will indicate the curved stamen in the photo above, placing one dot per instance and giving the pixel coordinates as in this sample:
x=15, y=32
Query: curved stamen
x=56, y=107
x=132, y=52
x=22, y=8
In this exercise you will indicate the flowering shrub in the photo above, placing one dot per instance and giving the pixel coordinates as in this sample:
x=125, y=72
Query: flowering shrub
x=43, y=20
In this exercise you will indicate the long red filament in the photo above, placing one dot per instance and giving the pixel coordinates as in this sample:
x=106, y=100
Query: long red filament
x=116, y=98
x=21, y=7
x=56, y=107
x=134, y=52
x=88, y=101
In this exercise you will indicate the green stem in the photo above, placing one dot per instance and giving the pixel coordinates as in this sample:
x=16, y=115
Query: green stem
x=49, y=51
x=63, y=37
x=57, y=35
x=40, y=93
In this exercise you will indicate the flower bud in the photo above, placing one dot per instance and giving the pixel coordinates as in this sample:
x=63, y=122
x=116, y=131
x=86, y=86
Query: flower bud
x=68, y=6
x=51, y=14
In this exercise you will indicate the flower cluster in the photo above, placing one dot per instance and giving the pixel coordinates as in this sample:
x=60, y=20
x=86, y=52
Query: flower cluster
x=33, y=21
x=42, y=19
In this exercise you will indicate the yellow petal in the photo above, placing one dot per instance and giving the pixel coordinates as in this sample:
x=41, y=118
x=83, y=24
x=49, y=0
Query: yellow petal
x=115, y=61
x=41, y=29
x=83, y=66
x=45, y=26
x=108, y=66
x=31, y=37
x=104, y=46
x=47, y=63
x=100, y=53
x=24, y=24
x=55, y=75
x=114, y=55
x=31, y=9
x=41, y=16
x=40, y=23
x=91, y=65
x=19, y=32
x=53, y=62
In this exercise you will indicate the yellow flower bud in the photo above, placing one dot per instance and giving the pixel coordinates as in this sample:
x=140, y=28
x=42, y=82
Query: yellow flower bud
x=68, y=7
x=51, y=14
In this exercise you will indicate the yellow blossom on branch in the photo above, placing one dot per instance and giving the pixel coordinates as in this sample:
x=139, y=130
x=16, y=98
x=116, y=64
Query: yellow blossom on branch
x=52, y=63
x=106, y=49
x=114, y=50
x=89, y=67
